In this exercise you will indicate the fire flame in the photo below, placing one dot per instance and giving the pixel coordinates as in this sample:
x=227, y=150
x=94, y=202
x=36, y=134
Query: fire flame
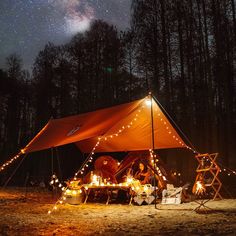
x=200, y=188
x=129, y=179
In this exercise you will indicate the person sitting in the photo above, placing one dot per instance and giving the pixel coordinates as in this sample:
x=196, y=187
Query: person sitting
x=142, y=174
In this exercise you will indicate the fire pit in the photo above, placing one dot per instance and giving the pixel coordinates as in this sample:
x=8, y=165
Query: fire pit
x=199, y=190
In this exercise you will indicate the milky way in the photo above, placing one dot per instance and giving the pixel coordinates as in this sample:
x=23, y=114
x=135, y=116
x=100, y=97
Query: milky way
x=78, y=14
x=27, y=25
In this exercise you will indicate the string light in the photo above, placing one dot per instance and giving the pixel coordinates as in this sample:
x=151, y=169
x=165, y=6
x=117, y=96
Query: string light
x=176, y=174
x=54, y=182
x=62, y=199
x=223, y=168
x=173, y=136
x=154, y=158
x=227, y=170
x=13, y=159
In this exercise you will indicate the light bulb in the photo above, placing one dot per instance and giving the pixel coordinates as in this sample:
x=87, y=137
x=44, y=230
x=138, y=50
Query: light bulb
x=148, y=102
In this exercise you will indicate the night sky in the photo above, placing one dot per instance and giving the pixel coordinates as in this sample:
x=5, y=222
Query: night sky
x=27, y=25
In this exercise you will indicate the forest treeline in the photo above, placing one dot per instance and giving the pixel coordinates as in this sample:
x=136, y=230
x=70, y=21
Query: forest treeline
x=184, y=51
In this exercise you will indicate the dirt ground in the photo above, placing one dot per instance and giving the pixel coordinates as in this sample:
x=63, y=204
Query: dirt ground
x=20, y=215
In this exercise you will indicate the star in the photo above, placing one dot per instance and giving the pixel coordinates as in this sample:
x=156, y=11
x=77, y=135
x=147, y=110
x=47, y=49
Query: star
x=27, y=25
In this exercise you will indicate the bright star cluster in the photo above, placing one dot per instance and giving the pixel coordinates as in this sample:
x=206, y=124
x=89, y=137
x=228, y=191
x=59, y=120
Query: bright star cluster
x=27, y=25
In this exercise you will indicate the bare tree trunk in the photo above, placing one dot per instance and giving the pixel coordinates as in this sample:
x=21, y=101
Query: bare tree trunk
x=165, y=52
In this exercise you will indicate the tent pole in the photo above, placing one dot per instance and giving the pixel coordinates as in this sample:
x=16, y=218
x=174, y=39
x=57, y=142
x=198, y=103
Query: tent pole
x=58, y=162
x=13, y=173
x=153, y=147
x=52, y=160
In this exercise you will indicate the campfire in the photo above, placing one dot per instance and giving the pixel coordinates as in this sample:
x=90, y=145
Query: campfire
x=200, y=188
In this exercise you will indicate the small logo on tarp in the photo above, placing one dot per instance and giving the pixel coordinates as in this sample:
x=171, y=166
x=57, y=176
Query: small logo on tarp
x=73, y=131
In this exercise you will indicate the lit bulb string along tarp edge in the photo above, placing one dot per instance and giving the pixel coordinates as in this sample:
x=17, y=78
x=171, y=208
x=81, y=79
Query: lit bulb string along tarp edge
x=164, y=122
x=13, y=159
x=22, y=151
x=174, y=137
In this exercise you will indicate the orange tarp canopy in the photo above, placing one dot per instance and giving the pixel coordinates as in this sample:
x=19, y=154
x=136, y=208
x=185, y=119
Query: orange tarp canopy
x=126, y=127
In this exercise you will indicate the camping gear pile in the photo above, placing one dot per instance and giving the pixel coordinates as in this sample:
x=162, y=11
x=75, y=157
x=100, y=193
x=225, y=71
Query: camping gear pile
x=172, y=195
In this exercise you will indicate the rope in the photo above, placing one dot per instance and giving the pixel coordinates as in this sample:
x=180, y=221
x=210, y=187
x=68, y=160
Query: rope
x=227, y=191
x=9, y=179
x=175, y=124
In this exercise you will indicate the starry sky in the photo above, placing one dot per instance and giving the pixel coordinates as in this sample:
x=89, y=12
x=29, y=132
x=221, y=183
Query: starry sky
x=27, y=25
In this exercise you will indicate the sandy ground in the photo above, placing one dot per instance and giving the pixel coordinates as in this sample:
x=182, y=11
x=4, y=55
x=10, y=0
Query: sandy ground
x=28, y=216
